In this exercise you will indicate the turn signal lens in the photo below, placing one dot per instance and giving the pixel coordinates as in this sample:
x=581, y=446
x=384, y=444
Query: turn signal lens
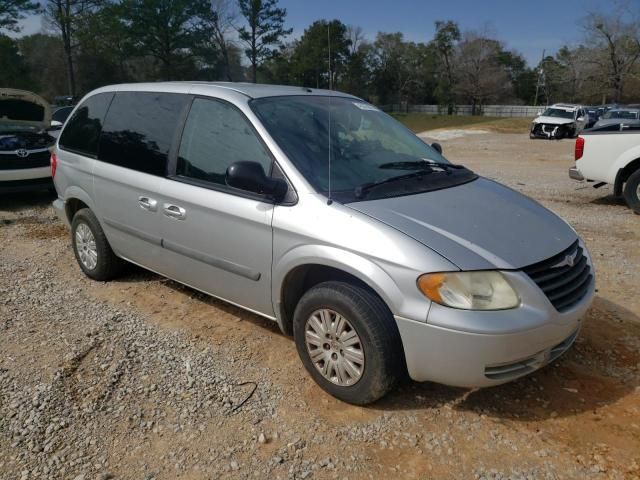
x=54, y=164
x=579, y=150
x=469, y=290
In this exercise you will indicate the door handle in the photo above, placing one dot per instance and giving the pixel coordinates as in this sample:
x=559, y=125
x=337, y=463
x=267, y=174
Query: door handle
x=147, y=203
x=174, y=211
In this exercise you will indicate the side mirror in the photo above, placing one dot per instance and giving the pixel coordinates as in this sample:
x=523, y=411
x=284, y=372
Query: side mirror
x=437, y=147
x=250, y=176
x=581, y=119
x=56, y=124
x=539, y=113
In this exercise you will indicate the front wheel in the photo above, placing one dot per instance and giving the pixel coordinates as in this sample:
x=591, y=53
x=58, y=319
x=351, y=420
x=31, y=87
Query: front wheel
x=632, y=191
x=348, y=341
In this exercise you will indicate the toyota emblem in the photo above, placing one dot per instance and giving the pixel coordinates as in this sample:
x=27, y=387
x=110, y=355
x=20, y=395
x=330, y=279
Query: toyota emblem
x=22, y=153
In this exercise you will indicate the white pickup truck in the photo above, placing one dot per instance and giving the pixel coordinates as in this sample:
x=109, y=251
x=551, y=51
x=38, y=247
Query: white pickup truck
x=611, y=157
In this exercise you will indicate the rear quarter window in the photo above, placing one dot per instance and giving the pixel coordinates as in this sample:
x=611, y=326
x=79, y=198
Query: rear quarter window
x=82, y=131
x=139, y=130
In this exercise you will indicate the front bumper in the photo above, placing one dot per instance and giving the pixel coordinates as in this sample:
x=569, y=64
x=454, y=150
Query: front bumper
x=25, y=174
x=523, y=340
x=575, y=174
x=552, y=131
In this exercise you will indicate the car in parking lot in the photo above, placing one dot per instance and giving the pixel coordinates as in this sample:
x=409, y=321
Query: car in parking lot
x=316, y=210
x=618, y=116
x=24, y=140
x=560, y=120
x=610, y=155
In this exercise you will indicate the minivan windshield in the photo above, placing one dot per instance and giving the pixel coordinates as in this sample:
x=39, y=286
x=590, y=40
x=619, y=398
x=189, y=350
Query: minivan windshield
x=372, y=155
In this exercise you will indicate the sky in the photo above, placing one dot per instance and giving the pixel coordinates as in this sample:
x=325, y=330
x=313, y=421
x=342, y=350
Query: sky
x=527, y=26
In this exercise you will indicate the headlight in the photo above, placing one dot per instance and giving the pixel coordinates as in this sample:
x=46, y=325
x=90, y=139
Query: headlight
x=469, y=290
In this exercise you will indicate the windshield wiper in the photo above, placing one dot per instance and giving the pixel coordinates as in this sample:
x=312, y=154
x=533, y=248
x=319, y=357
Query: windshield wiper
x=361, y=190
x=419, y=165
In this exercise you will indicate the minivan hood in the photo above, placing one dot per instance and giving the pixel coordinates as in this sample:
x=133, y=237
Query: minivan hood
x=552, y=120
x=19, y=108
x=478, y=225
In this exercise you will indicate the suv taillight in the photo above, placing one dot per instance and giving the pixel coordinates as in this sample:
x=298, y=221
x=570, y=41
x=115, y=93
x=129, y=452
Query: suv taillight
x=579, y=148
x=54, y=164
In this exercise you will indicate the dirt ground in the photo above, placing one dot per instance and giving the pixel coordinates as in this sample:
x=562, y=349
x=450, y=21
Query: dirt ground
x=141, y=378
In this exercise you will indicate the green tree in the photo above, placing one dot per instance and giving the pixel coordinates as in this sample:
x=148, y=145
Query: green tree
x=264, y=31
x=357, y=76
x=445, y=40
x=312, y=64
x=44, y=59
x=11, y=11
x=168, y=31
x=522, y=78
x=399, y=67
x=13, y=70
x=66, y=16
x=106, y=47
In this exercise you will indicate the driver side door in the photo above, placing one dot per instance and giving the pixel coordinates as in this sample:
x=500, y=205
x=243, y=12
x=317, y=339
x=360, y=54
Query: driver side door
x=218, y=239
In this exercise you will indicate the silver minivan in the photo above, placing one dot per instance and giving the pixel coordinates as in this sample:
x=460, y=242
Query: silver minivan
x=316, y=210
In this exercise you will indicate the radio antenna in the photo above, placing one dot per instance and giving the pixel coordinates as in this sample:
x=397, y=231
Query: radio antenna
x=329, y=201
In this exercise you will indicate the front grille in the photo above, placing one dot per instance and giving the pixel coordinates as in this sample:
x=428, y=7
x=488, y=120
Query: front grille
x=33, y=160
x=564, y=278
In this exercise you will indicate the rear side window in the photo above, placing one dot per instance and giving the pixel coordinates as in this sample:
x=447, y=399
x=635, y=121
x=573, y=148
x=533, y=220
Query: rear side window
x=215, y=136
x=83, y=129
x=139, y=130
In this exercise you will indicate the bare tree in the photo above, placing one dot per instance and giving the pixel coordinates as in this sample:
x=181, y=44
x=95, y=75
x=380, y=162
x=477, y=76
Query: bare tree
x=65, y=16
x=479, y=75
x=615, y=42
x=356, y=36
x=224, y=17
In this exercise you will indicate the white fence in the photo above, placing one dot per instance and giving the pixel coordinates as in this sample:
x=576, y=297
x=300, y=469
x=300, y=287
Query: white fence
x=486, y=110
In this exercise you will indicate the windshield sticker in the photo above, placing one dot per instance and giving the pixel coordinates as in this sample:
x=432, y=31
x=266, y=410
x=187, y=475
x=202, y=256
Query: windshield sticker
x=365, y=106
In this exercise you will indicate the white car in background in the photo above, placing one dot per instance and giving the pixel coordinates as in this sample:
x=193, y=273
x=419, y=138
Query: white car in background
x=560, y=120
x=24, y=140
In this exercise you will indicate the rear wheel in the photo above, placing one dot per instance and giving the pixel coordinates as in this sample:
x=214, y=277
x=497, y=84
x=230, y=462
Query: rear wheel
x=632, y=191
x=91, y=248
x=348, y=341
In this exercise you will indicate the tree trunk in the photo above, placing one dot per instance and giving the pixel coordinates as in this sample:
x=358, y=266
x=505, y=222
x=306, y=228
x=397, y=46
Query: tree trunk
x=71, y=78
x=254, y=55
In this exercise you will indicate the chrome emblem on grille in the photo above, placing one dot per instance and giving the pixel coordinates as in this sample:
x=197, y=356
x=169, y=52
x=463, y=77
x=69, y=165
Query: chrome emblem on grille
x=22, y=153
x=569, y=260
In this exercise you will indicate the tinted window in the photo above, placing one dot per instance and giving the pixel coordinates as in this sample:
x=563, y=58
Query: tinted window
x=83, y=129
x=61, y=114
x=139, y=130
x=215, y=136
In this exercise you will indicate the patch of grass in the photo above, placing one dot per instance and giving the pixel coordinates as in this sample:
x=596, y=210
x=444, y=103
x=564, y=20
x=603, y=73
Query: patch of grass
x=507, y=125
x=419, y=122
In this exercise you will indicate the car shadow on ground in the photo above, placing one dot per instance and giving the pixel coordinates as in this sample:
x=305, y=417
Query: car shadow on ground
x=609, y=200
x=600, y=369
x=135, y=274
x=16, y=201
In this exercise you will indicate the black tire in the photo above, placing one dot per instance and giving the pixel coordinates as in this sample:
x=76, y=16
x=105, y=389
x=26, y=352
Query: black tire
x=108, y=265
x=371, y=319
x=632, y=191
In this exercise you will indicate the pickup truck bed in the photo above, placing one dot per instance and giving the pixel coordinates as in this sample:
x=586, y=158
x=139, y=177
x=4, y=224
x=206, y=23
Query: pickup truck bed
x=611, y=157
